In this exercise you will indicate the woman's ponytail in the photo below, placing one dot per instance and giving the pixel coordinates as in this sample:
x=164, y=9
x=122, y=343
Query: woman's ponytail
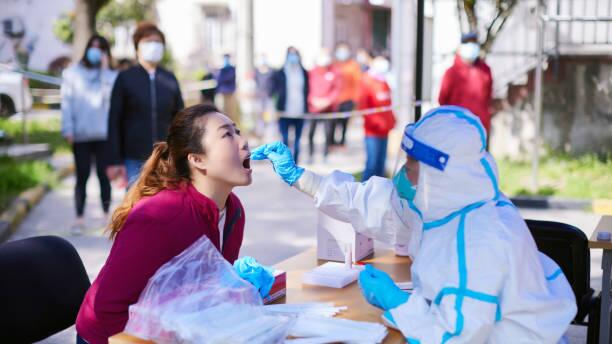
x=157, y=173
x=167, y=167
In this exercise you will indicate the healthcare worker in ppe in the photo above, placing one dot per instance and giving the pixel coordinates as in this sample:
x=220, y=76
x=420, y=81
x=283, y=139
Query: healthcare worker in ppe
x=477, y=274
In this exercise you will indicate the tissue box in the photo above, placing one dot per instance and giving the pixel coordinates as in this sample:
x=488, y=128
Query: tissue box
x=279, y=287
x=334, y=235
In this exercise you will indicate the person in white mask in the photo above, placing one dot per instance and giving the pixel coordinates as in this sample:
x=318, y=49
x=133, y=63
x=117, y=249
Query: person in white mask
x=468, y=82
x=375, y=93
x=478, y=276
x=325, y=85
x=144, y=100
x=364, y=59
x=347, y=99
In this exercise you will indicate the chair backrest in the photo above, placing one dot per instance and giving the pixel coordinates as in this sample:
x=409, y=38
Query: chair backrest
x=568, y=246
x=42, y=284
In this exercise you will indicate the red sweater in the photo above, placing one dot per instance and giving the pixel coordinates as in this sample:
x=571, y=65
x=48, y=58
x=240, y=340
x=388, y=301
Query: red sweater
x=157, y=229
x=469, y=86
x=324, y=83
x=376, y=93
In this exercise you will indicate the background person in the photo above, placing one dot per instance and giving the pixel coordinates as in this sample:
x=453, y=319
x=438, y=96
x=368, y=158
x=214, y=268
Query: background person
x=291, y=89
x=350, y=73
x=468, y=82
x=226, y=89
x=375, y=92
x=124, y=63
x=207, y=95
x=364, y=59
x=86, y=90
x=264, y=78
x=324, y=87
x=145, y=98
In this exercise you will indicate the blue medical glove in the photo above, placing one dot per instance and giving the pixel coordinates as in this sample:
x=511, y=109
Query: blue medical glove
x=261, y=277
x=380, y=290
x=281, y=159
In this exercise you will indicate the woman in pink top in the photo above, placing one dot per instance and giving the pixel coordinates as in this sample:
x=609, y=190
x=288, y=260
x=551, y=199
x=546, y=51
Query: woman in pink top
x=184, y=191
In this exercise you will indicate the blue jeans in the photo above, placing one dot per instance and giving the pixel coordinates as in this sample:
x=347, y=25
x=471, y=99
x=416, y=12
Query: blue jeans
x=80, y=340
x=376, y=155
x=132, y=169
x=298, y=124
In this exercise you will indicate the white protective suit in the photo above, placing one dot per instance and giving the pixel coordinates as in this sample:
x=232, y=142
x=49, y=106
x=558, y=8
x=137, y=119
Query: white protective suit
x=478, y=276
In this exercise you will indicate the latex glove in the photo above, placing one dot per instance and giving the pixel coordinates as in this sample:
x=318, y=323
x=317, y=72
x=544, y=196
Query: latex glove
x=281, y=159
x=380, y=290
x=261, y=277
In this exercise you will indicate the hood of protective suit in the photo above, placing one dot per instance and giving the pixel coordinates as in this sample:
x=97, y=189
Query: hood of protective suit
x=467, y=177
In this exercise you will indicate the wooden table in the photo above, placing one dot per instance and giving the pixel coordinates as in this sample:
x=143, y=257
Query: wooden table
x=358, y=308
x=605, y=225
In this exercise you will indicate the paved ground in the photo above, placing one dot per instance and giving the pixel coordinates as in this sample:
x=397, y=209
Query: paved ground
x=281, y=221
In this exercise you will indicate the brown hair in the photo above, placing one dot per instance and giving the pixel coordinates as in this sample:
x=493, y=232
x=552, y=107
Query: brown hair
x=167, y=167
x=145, y=29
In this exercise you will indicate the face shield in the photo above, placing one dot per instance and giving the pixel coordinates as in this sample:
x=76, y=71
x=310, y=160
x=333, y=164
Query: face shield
x=415, y=152
x=422, y=152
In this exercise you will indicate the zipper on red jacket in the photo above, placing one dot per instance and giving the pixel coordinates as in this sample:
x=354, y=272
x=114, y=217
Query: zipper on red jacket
x=229, y=227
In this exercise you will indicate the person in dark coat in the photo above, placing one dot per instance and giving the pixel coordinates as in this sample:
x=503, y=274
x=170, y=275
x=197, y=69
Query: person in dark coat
x=144, y=100
x=291, y=88
x=226, y=88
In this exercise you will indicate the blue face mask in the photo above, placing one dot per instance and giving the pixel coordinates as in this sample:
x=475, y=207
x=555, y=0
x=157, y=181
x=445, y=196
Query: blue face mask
x=293, y=58
x=402, y=184
x=226, y=62
x=94, y=56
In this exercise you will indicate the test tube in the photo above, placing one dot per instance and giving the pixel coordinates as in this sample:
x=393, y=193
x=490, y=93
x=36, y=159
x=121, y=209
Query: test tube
x=348, y=256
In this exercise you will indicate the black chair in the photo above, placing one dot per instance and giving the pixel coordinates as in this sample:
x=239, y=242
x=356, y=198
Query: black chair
x=568, y=246
x=42, y=284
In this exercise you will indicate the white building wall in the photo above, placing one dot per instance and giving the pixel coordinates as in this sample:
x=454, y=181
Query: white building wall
x=181, y=22
x=39, y=17
x=279, y=24
x=446, y=38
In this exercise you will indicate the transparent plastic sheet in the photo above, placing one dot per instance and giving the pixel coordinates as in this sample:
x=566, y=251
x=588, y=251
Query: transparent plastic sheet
x=324, y=309
x=197, y=297
x=318, y=329
x=230, y=323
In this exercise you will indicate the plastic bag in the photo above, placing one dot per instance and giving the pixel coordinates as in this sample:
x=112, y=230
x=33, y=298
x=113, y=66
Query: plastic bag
x=229, y=323
x=190, y=298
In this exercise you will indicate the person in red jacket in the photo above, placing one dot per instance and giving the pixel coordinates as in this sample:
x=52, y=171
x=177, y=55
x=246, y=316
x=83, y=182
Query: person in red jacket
x=325, y=86
x=468, y=82
x=348, y=98
x=375, y=92
x=184, y=192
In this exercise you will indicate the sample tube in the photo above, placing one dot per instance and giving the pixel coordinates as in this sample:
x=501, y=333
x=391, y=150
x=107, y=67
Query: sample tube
x=348, y=256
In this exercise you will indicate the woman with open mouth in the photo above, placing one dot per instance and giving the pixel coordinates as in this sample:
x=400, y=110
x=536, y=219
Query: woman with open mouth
x=183, y=192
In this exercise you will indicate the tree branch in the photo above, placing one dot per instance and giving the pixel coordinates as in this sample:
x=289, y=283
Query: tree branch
x=498, y=23
x=492, y=24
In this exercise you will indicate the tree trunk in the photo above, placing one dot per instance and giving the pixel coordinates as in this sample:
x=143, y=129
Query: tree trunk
x=460, y=15
x=469, y=6
x=84, y=27
x=84, y=24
